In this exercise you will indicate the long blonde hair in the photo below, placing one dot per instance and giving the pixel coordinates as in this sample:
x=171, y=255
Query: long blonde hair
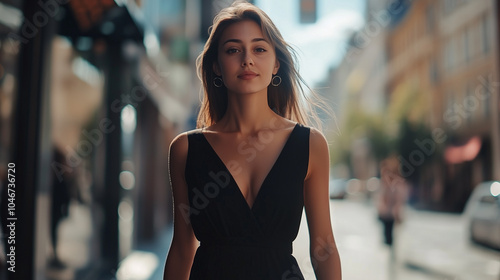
x=287, y=100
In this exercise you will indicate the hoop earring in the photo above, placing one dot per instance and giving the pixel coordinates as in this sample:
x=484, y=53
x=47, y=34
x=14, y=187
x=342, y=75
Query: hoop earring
x=276, y=81
x=218, y=82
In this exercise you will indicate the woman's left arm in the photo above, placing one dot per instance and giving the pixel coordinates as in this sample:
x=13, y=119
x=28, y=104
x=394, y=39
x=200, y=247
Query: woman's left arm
x=323, y=250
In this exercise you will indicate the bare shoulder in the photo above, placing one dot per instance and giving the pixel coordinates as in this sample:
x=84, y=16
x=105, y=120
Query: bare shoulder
x=179, y=146
x=179, y=143
x=318, y=153
x=317, y=141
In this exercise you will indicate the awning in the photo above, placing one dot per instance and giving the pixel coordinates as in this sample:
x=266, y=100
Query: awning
x=99, y=19
x=466, y=152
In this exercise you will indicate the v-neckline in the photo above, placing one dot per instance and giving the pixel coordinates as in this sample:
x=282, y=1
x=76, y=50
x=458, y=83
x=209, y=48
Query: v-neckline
x=251, y=207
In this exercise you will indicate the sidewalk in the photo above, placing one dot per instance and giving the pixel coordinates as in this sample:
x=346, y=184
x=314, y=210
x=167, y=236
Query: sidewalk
x=439, y=244
x=159, y=248
x=147, y=260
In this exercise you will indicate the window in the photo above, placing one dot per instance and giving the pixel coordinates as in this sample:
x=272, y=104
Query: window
x=484, y=34
x=449, y=54
x=470, y=103
x=447, y=6
x=450, y=99
x=466, y=45
x=487, y=92
x=433, y=74
x=446, y=59
x=429, y=19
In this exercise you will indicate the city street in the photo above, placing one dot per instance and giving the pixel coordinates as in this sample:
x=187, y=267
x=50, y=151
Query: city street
x=94, y=96
x=429, y=245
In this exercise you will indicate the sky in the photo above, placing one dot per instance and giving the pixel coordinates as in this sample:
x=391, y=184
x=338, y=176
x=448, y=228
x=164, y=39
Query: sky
x=320, y=45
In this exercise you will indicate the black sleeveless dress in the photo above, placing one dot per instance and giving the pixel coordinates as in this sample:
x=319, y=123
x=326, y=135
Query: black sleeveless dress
x=238, y=242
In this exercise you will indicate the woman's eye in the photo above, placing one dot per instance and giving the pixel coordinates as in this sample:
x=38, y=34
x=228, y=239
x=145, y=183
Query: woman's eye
x=230, y=51
x=260, y=50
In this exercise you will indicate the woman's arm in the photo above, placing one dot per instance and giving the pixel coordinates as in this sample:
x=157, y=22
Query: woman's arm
x=184, y=243
x=323, y=250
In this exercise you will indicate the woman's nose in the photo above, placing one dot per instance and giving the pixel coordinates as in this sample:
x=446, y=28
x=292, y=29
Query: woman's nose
x=247, y=60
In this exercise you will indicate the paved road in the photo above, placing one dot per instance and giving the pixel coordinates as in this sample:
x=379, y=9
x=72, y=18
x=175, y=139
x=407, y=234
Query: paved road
x=429, y=245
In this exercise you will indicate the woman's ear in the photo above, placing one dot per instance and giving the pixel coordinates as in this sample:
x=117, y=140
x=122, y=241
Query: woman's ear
x=216, y=69
x=276, y=67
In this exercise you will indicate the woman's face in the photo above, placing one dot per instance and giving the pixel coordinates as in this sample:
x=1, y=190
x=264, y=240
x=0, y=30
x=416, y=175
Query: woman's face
x=246, y=59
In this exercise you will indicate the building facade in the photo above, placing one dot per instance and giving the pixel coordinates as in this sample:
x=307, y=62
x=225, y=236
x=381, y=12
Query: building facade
x=447, y=51
x=430, y=70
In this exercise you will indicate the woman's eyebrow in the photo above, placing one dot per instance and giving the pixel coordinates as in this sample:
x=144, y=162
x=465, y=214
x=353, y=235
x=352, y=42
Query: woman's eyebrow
x=239, y=41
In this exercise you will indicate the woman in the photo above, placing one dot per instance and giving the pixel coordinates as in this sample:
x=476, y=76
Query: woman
x=391, y=198
x=240, y=182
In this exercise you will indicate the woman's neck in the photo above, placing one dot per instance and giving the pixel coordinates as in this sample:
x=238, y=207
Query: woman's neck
x=247, y=114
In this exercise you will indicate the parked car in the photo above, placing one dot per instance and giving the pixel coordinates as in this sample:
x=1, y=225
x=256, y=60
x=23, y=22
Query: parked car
x=337, y=188
x=483, y=212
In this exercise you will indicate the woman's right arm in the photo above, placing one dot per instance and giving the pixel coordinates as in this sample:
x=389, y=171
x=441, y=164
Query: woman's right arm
x=184, y=243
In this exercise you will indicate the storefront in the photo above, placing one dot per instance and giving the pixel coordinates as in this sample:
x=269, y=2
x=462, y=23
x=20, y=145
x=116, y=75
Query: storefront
x=87, y=124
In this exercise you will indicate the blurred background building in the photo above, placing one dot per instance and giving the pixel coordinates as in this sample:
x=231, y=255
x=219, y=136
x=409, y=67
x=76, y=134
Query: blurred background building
x=419, y=80
x=93, y=92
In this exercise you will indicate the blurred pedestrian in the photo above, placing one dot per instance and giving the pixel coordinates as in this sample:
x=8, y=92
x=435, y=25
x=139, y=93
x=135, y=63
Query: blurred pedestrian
x=241, y=181
x=61, y=184
x=392, y=197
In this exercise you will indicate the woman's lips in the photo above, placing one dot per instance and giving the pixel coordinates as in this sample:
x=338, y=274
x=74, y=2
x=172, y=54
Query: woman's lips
x=247, y=75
